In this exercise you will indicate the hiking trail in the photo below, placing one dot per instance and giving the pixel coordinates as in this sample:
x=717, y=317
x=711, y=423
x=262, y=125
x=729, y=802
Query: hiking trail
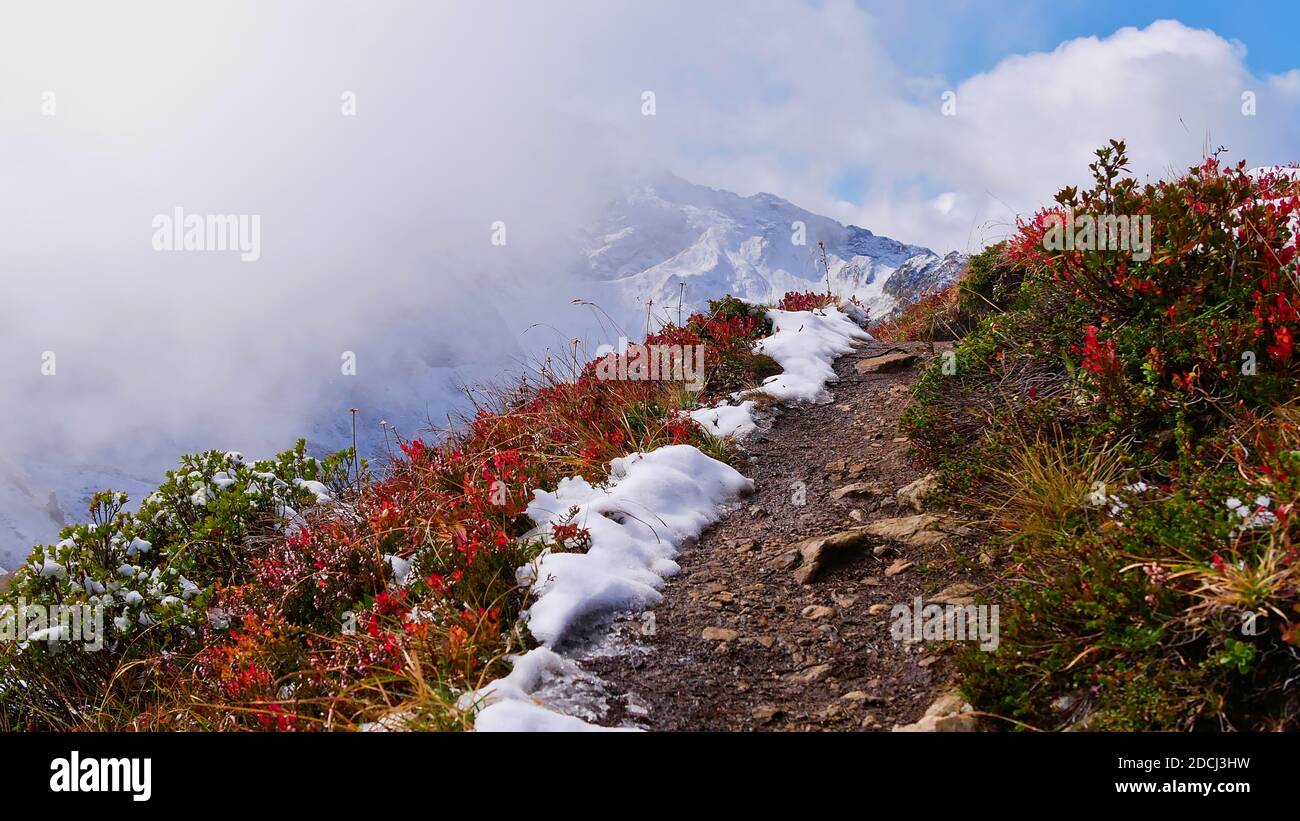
x=780, y=616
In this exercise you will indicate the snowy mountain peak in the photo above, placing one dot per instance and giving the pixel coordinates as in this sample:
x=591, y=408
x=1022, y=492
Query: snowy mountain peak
x=664, y=231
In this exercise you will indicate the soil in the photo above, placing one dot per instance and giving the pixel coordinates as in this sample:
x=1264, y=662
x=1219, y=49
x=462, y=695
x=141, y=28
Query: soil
x=788, y=667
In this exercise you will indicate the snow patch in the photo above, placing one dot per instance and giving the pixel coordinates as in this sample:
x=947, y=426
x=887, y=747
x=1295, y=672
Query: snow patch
x=527, y=699
x=733, y=421
x=805, y=344
x=511, y=716
x=651, y=505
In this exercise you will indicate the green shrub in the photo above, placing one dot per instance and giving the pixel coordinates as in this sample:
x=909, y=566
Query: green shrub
x=148, y=575
x=1171, y=604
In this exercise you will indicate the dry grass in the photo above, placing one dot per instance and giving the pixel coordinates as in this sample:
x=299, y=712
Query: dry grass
x=1046, y=480
x=931, y=318
x=1264, y=586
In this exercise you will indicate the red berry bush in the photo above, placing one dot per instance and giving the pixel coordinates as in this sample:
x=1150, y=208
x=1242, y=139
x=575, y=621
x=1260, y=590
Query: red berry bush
x=1125, y=413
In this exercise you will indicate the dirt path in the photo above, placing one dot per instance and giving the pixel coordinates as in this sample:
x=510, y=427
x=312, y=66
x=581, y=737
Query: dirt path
x=786, y=655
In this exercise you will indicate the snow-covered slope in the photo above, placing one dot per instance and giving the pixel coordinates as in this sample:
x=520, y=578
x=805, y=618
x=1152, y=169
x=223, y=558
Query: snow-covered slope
x=665, y=231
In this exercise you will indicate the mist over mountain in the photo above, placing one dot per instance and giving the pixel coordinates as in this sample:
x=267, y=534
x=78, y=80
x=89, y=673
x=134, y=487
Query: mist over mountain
x=419, y=369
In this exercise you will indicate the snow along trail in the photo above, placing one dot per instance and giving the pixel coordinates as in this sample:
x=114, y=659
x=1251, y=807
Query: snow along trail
x=652, y=505
x=741, y=642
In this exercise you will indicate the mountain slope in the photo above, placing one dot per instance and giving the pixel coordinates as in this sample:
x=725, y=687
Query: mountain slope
x=665, y=232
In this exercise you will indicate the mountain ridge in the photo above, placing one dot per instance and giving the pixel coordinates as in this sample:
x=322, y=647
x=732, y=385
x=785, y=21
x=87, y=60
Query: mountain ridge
x=665, y=231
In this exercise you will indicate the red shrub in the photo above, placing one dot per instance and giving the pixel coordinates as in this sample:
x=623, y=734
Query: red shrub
x=805, y=301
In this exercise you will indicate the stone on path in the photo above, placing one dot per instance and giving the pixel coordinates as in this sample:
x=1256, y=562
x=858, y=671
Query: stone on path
x=857, y=490
x=886, y=363
x=814, y=552
x=817, y=611
x=948, y=714
x=914, y=493
x=961, y=593
x=921, y=530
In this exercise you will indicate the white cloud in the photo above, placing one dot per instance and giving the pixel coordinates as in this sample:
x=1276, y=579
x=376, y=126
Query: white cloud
x=1023, y=129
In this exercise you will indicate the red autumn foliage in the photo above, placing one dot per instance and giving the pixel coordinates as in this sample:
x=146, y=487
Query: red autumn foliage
x=322, y=613
x=805, y=301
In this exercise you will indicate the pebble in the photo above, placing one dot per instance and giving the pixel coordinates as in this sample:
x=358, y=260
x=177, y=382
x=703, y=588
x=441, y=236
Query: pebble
x=897, y=567
x=767, y=713
x=811, y=675
x=719, y=634
x=863, y=696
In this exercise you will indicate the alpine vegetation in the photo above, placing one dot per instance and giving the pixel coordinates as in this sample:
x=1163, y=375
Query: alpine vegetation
x=301, y=593
x=1127, y=421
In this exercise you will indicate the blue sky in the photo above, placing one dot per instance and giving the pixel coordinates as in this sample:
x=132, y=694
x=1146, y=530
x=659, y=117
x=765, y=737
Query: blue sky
x=971, y=37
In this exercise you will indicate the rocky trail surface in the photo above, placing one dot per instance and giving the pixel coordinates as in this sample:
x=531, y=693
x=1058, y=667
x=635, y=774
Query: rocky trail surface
x=781, y=615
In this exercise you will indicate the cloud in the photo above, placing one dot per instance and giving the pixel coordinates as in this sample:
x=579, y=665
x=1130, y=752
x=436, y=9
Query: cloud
x=375, y=229
x=1029, y=126
x=1021, y=130
x=368, y=222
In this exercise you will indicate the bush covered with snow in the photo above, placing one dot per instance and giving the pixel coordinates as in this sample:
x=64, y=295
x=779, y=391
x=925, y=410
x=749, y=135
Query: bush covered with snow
x=151, y=575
